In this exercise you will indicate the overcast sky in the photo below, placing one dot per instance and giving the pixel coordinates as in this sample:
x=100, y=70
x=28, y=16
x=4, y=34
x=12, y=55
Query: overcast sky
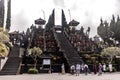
x=87, y=12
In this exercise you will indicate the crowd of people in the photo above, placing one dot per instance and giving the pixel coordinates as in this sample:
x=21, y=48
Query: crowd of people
x=77, y=69
x=84, y=68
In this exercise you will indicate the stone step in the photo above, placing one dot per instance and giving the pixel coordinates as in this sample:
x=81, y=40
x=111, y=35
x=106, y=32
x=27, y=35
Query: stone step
x=69, y=52
x=12, y=64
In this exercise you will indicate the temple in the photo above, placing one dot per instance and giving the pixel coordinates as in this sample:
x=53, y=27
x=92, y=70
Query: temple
x=46, y=46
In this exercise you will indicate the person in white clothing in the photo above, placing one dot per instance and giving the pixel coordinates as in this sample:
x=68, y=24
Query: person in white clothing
x=104, y=67
x=100, y=69
x=77, y=69
x=110, y=67
x=63, y=68
x=72, y=68
x=86, y=69
x=82, y=68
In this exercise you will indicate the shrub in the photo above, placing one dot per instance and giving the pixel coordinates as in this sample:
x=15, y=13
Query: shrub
x=32, y=71
x=113, y=69
x=110, y=53
x=3, y=50
x=95, y=55
x=88, y=61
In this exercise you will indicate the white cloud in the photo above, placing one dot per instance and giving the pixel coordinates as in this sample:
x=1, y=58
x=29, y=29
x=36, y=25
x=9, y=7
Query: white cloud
x=87, y=12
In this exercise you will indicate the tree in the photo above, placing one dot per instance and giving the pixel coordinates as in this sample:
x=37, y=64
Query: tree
x=88, y=31
x=111, y=53
x=116, y=31
x=35, y=52
x=3, y=50
x=51, y=21
x=2, y=12
x=4, y=38
x=113, y=24
x=8, y=21
x=104, y=31
x=64, y=22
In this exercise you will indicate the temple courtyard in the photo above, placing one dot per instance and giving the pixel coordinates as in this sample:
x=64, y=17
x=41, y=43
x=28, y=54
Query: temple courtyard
x=58, y=76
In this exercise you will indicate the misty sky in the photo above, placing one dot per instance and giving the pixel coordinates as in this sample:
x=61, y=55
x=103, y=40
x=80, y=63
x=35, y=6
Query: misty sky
x=87, y=12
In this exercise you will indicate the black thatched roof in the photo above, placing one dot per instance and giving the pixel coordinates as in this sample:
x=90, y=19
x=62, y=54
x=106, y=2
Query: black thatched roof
x=73, y=23
x=40, y=21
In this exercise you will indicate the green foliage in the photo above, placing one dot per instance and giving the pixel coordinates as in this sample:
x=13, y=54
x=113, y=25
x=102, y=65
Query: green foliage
x=104, y=31
x=33, y=71
x=4, y=37
x=95, y=55
x=115, y=28
x=110, y=31
x=36, y=51
x=110, y=52
x=101, y=31
x=3, y=50
x=1, y=29
x=88, y=61
x=113, y=69
x=86, y=55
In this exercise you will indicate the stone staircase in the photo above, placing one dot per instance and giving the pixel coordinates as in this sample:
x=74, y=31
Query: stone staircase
x=13, y=62
x=68, y=50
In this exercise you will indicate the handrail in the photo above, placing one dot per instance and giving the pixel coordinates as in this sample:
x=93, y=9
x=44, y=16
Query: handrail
x=19, y=68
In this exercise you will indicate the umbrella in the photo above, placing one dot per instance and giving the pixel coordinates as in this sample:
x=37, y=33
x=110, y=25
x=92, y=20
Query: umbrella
x=40, y=21
x=73, y=23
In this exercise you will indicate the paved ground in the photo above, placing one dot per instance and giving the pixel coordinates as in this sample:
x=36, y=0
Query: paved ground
x=57, y=76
